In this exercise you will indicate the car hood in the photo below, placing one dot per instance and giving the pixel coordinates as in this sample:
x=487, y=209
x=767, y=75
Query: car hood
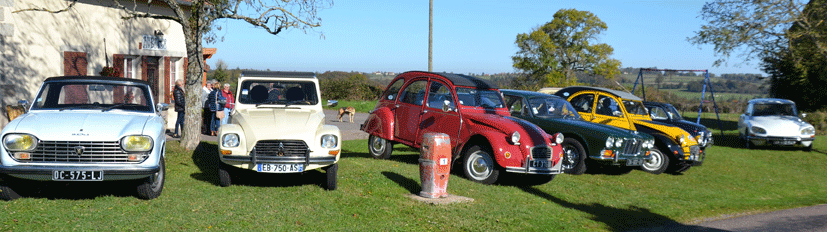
x=779, y=125
x=691, y=127
x=279, y=123
x=508, y=125
x=81, y=125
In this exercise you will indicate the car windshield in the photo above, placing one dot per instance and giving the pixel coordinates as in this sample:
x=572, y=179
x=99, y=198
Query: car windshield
x=774, y=109
x=673, y=113
x=104, y=96
x=553, y=108
x=267, y=92
x=635, y=107
x=479, y=98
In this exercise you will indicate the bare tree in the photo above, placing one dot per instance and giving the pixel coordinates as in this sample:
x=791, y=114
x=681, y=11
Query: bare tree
x=273, y=16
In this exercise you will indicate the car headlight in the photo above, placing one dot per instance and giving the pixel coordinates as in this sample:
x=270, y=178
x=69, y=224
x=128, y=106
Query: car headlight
x=558, y=138
x=136, y=143
x=618, y=142
x=20, y=142
x=229, y=140
x=650, y=144
x=329, y=141
x=681, y=140
x=609, y=142
x=757, y=130
x=515, y=138
x=808, y=131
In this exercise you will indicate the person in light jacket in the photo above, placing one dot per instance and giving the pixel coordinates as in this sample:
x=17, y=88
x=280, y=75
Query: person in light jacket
x=206, y=119
x=180, y=104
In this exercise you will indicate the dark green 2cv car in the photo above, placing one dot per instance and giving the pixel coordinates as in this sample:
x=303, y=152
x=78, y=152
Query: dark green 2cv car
x=616, y=148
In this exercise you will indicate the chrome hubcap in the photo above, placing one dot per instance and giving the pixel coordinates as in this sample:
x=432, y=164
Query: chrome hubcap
x=479, y=166
x=655, y=162
x=377, y=145
x=571, y=157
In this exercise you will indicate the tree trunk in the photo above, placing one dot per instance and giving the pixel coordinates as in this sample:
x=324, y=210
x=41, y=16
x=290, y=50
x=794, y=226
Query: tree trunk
x=195, y=64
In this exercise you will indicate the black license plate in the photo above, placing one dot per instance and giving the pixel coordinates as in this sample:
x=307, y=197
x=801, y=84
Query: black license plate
x=77, y=175
x=785, y=142
x=539, y=164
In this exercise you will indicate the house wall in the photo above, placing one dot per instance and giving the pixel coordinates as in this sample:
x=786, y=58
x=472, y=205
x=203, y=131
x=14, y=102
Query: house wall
x=33, y=45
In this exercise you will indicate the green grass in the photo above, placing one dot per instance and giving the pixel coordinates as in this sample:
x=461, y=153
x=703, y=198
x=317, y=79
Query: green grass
x=360, y=106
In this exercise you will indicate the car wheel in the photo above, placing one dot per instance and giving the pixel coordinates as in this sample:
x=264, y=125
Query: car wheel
x=574, y=157
x=379, y=148
x=6, y=191
x=151, y=187
x=479, y=166
x=657, y=163
x=332, y=172
x=224, y=178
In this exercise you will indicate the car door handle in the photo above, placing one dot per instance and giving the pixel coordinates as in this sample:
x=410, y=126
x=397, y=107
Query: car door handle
x=424, y=111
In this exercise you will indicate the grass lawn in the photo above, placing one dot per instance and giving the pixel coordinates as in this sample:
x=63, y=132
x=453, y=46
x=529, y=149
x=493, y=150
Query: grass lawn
x=360, y=106
x=372, y=196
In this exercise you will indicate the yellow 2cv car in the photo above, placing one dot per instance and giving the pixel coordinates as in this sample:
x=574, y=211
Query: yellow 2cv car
x=675, y=149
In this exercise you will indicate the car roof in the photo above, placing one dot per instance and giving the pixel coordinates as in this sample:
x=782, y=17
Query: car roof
x=770, y=100
x=94, y=78
x=573, y=89
x=527, y=93
x=278, y=74
x=461, y=80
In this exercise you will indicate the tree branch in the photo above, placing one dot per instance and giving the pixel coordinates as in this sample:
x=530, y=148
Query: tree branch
x=42, y=9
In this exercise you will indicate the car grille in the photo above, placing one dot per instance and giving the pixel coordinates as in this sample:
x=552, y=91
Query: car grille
x=541, y=153
x=93, y=152
x=631, y=147
x=694, y=150
x=281, y=148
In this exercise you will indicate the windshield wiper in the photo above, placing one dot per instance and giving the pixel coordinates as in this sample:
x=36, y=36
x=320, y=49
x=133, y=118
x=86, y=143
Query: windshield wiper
x=117, y=106
x=80, y=107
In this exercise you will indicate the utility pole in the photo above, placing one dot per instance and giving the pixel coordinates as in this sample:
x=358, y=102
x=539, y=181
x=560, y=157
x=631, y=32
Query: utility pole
x=431, y=36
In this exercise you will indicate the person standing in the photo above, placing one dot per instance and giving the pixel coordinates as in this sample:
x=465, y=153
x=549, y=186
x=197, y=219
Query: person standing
x=228, y=107
x=215, y=102
x=180, y=104
x=206, y=117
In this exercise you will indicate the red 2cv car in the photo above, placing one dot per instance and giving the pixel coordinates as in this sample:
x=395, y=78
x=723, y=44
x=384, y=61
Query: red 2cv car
x=485, y=139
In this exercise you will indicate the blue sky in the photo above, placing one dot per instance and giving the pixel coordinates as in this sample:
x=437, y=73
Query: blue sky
x=469, y=36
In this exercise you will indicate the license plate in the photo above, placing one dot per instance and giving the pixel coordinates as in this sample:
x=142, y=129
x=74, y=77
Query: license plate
x=539, y=164
x=634, y=162
x=78, y=175
x=785, y=142
x=280, y=168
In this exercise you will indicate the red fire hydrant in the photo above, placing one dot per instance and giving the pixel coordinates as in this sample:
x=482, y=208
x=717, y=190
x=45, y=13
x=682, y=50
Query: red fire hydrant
x=435, y=164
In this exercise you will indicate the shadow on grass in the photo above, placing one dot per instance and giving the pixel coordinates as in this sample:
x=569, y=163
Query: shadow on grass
x=619, y=219
x=410, y=184
x=205, y=157
x=74, y=190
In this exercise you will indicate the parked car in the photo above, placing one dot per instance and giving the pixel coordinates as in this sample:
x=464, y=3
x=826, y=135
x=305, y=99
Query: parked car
x=485, y=140
x=277, y=126
x=606, y=145
x=675, y=149
x=666, y=113
x=84, y=128
x=773, y=121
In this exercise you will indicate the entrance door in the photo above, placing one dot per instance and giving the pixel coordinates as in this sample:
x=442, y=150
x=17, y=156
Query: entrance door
x=434, y=119
x=152, y=75
x=409, y=110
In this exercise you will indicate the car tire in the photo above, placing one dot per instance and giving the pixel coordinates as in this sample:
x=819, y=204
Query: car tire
x=479, y=166
x=657, y=164
x=6, y=191
x=224, y=178
x=379, y=148
x=152, y=186
x=331, y=172
x=574, y=157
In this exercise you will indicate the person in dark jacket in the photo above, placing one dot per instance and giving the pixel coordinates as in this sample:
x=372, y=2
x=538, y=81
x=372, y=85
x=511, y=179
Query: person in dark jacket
x=180, y=104
x=215, y=102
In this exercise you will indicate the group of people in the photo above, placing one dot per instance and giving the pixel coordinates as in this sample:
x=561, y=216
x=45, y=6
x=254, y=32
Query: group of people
x=217, y=103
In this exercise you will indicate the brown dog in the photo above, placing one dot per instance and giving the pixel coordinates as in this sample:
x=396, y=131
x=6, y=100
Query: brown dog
x=350, y=111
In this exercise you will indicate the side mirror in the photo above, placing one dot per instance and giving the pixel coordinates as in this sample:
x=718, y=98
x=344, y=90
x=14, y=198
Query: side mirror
x=617, y=114
x=24, y=104
x=161, y=107
x=446, y=106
